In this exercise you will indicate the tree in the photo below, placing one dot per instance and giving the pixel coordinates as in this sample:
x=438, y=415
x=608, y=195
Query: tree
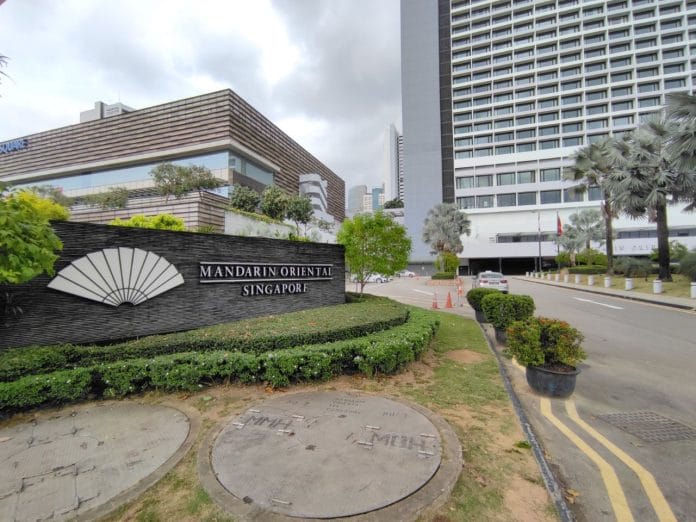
x=588, y=226
x=115, y=197
x=158, y=222
x=177, y=180
x=677, y=251
x=273, y=202
x=375, y=244
x=299, y=210
x=444, y=226
x=594, y=165
x=394, y=203
x=47, y=208
x=681, y=143
x=28, y=244
x=572, y=242
x=244, y=198
x=649, y=181
x=55, y=194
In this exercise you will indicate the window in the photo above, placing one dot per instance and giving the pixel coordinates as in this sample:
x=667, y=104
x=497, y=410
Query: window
x=589, y=40
x=548, y=131
x=642, y=44
x=526, y=198
x=620, y=121
x=548, y=116
x=621, y=62
x=503, y=136
x=572, y=127
x=646, y=73
x=484, y=180
x=522, y=107
x=529, y=133
x=501, y=72
x=525, y=93
x=503, y=97
x=570, y=58
x=466, y=202
x=548, y=62
x=675, y=68
x=597, y=95
x=623, y=33
x=486, y=138
x=479, y=115
x=506, y=200
x=506, y=178
x=649, y=87
x=571, y=113
x=548, y=89
x=480, y=153
x=525, y=176
x=462, y=129
x=546, y=104
x=505, y=149
x=550, y=196
x=567, y=86
x=482, y=88
x=597, y=137
x=465, y=183
x=572, y=142
x=673, y=24
x=526, y=147
x=483, y=126
x=503, y=124
x=528, y=66
x=595, y=194
x=571, y=195
x=620, y=48
x=550, y=174
x=675, y=53
x=594, y=67
x=596, y=124
x=525, y=120
x=465, y=116
x=569, y=44
x=596, y=109
x=621, y=77
x=499, y=111
x=502, y=84
x=462, y=104
x=644, y=29
x=621, y=91
x=548, y=144
x=524, y=80
x=599, y=80
x=547, y=76
x=675, y=84
x=595, y=52
x=674, y=38
x=569, y=100
x=649, y=102
x=622, y=106
x=482, y=101
x=646, y=58
x=484, y=201
x=463, y=142
x=572, y=71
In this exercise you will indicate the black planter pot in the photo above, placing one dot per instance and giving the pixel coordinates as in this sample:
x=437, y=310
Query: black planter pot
x=551, y=383
x=501, y=335
x=480, y=316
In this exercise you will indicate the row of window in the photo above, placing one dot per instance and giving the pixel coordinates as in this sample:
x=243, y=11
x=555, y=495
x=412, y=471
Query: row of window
x=507, y=178
x=520, y=199
x=614, y=63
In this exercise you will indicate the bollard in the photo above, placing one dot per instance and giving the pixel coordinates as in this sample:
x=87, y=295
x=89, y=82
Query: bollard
x=629, y=283
x=590, y=280
x=557, y=277
x=577, y=279
x=434, y=305
x=566, y=278
x=607, y=282
x=693, y=290
x=657, y=286
x=548, y=276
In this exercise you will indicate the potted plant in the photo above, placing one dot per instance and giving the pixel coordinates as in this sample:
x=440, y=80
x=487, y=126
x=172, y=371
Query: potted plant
x=502, y=309
x=550, y=349
x=474, y=297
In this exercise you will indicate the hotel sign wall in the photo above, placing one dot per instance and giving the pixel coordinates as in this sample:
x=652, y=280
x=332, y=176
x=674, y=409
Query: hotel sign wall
x=265, y=278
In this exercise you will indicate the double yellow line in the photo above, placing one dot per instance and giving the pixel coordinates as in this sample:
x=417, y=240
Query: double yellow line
x=617, y=497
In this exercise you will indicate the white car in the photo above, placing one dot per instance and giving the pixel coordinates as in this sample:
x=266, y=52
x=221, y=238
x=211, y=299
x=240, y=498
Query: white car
x=406, y=273
x=374, y=278
x=490, y=279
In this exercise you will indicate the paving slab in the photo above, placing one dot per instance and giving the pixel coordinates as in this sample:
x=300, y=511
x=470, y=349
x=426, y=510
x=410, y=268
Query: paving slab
x=69, y=464
x=328, y=455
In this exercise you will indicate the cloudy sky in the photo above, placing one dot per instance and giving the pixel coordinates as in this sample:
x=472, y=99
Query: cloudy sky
x=325, y=71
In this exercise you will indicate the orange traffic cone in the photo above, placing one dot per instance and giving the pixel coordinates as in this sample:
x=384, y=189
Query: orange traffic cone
x=435, y=307
x=449, y=301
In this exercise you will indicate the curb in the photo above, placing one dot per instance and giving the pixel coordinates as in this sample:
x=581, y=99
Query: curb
x=620, y=296
x=550, y=480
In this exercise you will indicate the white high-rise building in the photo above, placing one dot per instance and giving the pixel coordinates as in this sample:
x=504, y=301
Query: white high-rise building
x=498, y=95
x=393, y=165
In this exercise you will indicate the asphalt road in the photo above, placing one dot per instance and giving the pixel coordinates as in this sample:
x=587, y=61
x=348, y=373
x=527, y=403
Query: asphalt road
x=641, y=367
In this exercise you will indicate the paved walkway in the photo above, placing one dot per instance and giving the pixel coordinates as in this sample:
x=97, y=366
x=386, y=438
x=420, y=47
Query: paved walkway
x=660, y=299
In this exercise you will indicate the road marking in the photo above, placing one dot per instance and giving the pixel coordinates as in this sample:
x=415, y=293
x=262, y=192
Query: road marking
x=422, y=292
x=617, y=498
x=660, y=505
x=598, y=303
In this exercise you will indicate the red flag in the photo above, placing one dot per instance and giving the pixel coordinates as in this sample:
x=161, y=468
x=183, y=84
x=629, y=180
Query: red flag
x=559, y=225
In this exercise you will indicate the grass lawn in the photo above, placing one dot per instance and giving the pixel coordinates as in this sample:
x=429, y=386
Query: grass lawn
x=457, y=378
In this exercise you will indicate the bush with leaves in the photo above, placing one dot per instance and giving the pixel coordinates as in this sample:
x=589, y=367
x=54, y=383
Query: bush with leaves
x=274, y=202
x=677, y=250
x=299, y=210
x=588, y=269
x=476, y=295
x=539, y=341
x=244, y=198
x=687, y=266
x=447, y=262
x=177, y=180
x=502, y=309
x=115, y=197
x=633, y=267
x=158, y=222
x=590, y=256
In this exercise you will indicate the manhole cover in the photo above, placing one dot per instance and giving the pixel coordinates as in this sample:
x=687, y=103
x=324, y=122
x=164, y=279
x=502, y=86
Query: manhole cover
x=650, y=426
x=326, y=454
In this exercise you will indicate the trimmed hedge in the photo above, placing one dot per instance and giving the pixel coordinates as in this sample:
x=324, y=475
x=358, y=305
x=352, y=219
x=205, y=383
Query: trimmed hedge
x=476, y=295
x=383, y=352
x=502, y=309
x=587, y=269
x=443, y=275
x=251, y=335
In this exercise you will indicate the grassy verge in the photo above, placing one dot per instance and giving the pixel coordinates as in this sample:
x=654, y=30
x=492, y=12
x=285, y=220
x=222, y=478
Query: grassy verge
x=456, y=377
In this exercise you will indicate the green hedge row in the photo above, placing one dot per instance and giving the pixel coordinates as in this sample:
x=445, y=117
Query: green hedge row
x=322, y=325
x=383, y=352
x=587, y=269
x=443, y=275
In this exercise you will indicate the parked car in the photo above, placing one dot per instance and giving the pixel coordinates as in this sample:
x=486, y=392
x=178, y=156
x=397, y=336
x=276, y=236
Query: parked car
x=490, y=279
x=406, y=273
x=374, y=278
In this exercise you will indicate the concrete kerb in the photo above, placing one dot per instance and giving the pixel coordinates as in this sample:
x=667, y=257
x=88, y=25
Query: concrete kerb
x=550, y=481
x=632, y=297
x=143, y=485
x=429, y=498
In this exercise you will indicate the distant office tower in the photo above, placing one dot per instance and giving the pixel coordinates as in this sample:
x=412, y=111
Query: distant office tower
x=355, y=199
x=498, y=95
x=393, y=165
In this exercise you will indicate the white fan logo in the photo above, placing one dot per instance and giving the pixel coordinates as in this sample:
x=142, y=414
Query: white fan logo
x=118, y=275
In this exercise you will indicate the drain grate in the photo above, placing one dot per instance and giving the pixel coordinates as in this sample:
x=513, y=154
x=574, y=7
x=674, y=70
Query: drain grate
x=650, y=426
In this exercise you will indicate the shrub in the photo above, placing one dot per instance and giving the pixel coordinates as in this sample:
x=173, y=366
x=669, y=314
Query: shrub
x=590, y=256
x=447, y=262
x=539, y=341
x=502, y=309
x=687, y=266
x=244, y=198
x=475, y=295
x=382, y=352
x=444, y=275
x=587, y=269
x=633, y=267
x=273, y=202
x=563, y=259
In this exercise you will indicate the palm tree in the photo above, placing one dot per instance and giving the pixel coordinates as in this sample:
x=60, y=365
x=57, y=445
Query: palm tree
x=594, y=165
x=444, y=226
x=649, y=181
x=588, y=226
x=681, y=144
x=571, y=241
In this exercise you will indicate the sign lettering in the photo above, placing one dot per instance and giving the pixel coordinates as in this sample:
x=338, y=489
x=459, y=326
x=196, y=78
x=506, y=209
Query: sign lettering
x=10, y=146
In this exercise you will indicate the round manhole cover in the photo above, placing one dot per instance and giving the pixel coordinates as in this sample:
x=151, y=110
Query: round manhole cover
x=326, y=454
